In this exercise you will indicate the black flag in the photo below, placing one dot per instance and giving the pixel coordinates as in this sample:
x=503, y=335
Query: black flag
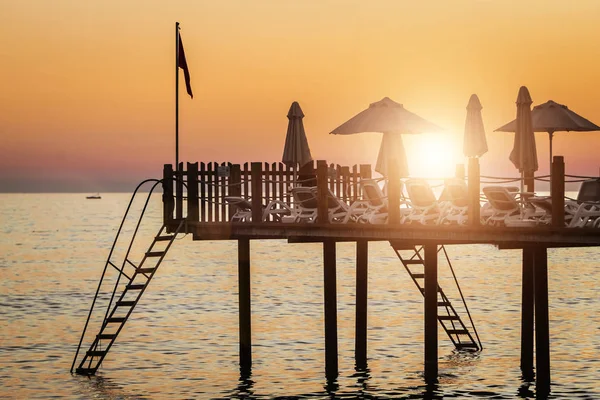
x=182, y=63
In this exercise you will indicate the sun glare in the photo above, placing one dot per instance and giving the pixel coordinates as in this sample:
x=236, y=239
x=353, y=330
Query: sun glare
x=432, y=155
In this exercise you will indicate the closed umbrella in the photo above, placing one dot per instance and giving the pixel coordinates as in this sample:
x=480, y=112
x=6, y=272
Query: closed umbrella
x=554, y=117
x=391, y=118
x=391, y=148
x=475, y=143
x=524, y=154
x=296, y=151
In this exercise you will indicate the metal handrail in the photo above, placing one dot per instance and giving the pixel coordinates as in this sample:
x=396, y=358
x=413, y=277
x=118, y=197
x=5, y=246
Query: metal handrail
x=462, y=297
x=109, y=262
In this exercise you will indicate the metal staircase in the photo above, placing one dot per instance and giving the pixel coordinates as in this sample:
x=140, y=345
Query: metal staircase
x=448, y=317
x=131, y=282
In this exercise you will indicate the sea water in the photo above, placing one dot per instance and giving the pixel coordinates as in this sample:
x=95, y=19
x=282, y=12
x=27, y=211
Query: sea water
x=182, y=339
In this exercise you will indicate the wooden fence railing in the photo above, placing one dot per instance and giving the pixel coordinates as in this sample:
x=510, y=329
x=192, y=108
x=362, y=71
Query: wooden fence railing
x=207, y=185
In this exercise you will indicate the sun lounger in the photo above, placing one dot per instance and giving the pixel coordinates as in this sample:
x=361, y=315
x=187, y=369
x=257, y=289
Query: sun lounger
x=275, y=210
x=583, y=212
x=454, y=202
x=508, y=209
x=306, y=207
x=423, y=205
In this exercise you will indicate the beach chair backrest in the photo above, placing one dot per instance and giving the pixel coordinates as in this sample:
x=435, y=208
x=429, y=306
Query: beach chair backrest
x=589, y=191
x=372, y=192
x=500, y=198
x=305, y=197
x=456, y=192
x=420, y=193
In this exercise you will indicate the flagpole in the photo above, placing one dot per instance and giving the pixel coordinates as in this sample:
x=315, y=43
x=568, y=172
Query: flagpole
x=177, y=96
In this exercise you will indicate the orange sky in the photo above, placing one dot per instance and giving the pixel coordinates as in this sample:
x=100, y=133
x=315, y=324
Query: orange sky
x=87, y=88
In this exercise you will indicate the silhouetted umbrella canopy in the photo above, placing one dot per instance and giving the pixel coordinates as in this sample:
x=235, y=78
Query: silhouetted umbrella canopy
x=554, y=117
x=385, y=116
x=474, y=142
x=296, y=150
x=524, y=154
x=391, y=148
x=391, y=119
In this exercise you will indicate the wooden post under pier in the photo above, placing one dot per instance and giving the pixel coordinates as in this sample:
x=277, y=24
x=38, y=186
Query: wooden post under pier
x=330, y=302
x=527, y=313
x=542, y=325
x=431, y=299
x=244, y=305
x=362, y=279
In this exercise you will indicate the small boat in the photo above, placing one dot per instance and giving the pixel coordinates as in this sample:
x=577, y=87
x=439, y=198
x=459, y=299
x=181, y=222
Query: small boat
x=94, y=196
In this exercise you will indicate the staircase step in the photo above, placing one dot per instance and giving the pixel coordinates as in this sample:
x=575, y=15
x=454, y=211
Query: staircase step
x=155, y=254
x=417, y=276
x=448, y=317
x=423, y=290
x=107, y=336
x=96, y=353
x=124, y=303
x=116, y=319
x=412, y=262
x=145, y=270
x=444, y=304
x=457, y=331
x=163, y=238
x=135, y=286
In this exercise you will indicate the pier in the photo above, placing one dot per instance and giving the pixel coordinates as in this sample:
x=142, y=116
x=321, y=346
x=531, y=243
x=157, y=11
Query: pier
x=197, y=201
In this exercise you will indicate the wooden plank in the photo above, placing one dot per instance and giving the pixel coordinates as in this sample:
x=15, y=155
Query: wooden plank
x=168, y=202
x=266, y=183
x=209, y=192
x=322, y=194
x=256, y=183
x=179, y=175
x=203, y=201
x=192, y=192
x=223, y=181
x=280, y=188
x=557, y=187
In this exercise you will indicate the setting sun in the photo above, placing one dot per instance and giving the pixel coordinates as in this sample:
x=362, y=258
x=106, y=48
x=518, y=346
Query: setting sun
x=432, y=155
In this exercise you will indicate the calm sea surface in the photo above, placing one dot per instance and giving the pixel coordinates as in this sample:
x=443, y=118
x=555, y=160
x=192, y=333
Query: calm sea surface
x=182, y=339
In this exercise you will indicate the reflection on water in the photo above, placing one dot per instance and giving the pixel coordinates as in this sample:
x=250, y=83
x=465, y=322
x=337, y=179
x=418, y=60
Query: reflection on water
x=181, y=341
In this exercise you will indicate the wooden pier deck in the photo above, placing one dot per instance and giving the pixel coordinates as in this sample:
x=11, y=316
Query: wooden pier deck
x=195, y=202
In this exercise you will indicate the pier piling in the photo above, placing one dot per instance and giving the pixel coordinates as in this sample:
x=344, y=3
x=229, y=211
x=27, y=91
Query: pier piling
x=362, y=275
x=542, y=326
x=244, y=304
x=329, y=286
x=431, y=298
x=527, y=313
